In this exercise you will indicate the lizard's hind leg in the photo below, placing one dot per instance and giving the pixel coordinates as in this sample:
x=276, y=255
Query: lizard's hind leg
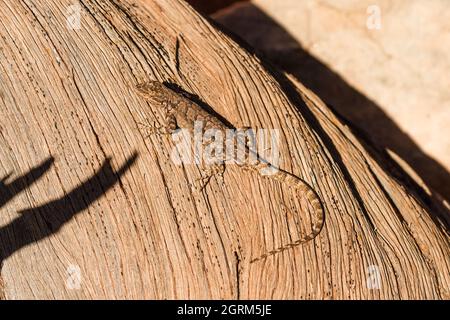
x=216, y=170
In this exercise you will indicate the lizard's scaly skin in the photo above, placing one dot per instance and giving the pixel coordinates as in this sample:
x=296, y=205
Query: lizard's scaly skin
x=183, y=112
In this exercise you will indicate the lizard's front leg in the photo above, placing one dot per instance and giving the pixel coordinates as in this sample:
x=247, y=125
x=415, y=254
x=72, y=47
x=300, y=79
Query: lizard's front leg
x=212, y=165
x=168, y=127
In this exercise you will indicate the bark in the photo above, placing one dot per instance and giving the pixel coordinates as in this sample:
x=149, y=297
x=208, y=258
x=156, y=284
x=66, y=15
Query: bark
x=109, y=215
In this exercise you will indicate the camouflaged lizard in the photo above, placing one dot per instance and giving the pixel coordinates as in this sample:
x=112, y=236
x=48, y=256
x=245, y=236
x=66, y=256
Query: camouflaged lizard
x=181, y=112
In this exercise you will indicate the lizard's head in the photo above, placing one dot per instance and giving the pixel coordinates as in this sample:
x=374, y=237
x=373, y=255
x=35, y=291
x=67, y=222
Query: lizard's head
x=150, y=89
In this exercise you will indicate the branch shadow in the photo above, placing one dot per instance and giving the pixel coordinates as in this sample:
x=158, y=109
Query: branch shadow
x=371, y=122
x=35, y=224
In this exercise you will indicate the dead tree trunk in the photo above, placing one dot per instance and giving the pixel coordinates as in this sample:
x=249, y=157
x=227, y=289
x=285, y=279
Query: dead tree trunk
x=109, y=215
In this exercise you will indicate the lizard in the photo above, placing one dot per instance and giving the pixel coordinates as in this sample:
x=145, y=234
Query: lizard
x=179, y=111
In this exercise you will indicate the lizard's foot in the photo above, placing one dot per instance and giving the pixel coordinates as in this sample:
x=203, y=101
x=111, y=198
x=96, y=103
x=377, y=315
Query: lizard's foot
x=167, y=129
x=216, y=170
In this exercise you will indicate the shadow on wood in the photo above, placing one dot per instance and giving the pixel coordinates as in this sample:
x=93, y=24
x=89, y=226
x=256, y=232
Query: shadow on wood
x=35, y=224
x=353, y=106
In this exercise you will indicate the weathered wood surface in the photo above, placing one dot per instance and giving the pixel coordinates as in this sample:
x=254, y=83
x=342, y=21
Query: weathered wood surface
x=134, y=226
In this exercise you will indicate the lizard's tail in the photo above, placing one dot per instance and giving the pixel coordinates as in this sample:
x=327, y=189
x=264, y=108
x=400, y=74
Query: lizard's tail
x=313, y=198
